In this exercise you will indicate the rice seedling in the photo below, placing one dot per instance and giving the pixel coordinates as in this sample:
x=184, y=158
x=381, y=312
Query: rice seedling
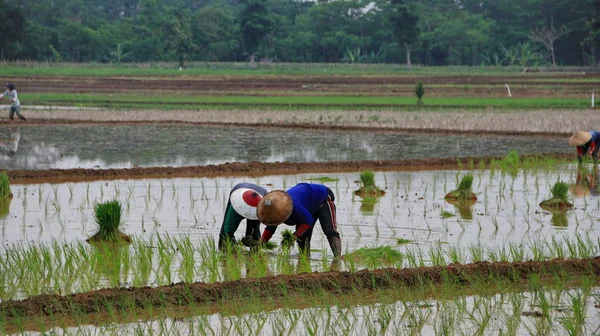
x=5, y=191
x=287, y=239
x=374, y=256
x=559, y=200
x=464, y=193
x=367, y=185
x=108, y=219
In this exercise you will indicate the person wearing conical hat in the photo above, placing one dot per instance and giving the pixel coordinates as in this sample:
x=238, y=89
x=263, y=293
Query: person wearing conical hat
x=587, y=143
x=243, y=200
x=301, y=206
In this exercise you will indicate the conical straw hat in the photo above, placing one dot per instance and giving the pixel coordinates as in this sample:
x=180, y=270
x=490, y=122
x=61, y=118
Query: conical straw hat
x=580, y=138
x=274, y=208
x=244, y=201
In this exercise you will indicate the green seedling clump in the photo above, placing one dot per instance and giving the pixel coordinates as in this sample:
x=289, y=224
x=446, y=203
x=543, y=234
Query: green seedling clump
x=323, y=179
x=108, y=219
x=375, y=256
x=368, y=187
x=464, y=193
x=559, y=200
x=287, y=239
x=5, y=186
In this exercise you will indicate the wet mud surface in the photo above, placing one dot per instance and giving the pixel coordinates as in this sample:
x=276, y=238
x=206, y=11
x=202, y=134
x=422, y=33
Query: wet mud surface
x=109, y=300
x=253, y=169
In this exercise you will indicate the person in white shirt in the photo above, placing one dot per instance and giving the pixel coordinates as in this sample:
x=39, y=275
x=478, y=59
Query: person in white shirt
x=15, y=104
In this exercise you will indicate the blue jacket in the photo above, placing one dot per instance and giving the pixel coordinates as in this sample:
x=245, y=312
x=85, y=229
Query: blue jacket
x=307, y=199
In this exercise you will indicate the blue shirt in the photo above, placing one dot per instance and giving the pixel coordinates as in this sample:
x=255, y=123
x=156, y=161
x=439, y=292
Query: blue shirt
x=307, y=199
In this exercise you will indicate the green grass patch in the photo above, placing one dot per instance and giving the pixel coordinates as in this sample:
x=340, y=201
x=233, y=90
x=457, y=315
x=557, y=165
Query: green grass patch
x=4, y=186
x=323, y=179
x=375, y=256
x=127, y=100
x=242, y=68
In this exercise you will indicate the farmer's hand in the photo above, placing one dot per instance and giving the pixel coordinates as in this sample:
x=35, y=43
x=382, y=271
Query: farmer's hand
x=249, y=242
x=287, y=243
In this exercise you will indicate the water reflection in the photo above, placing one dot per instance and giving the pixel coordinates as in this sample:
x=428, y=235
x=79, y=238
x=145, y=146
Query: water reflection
x=104, y=146
x=586, y=183
x=10, y=144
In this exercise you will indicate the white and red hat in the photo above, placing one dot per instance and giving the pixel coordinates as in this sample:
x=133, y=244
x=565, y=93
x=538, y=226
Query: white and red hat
x=244, y=201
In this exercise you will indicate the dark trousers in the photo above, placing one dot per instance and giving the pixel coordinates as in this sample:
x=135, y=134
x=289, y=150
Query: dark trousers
x=231, y=222
x=327, y=217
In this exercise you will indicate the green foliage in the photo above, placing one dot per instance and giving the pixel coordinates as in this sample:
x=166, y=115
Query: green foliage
x=464, y=192
x=287, y=239
x=560, y=198
x=4, y=186
x=256, y=23
x=55, y=54
x=560, y=190
x=419, y=92
x=375, y=256
x=466, y=183
x=323, y=179
x=107, y=216
x=367, y=179
x=433, y=32
x=368, y=190
x=118, y=55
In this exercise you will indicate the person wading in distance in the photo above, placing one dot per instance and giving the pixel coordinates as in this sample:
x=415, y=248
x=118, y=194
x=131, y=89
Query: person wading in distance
x=301, y=206
x=243, y=200
x=15, y=104
x=587, y=143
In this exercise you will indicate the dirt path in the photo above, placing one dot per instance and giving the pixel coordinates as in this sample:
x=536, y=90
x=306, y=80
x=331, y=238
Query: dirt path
x=110, y=300
x=253, y=169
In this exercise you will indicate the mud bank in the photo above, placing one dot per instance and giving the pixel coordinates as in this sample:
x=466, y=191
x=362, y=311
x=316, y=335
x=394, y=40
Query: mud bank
x=110, y=300
x=252, y=169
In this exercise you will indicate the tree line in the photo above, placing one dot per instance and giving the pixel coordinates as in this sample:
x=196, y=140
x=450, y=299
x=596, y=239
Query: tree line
x=428, y=32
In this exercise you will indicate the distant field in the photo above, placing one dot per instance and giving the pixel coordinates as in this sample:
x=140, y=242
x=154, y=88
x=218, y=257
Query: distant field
x=93, y=69
x=297, y=86
x=193, y=101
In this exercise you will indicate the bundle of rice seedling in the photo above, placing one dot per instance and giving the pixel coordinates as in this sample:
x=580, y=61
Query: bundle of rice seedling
x=368, y=187
x=560, y=199
x=108, y=218
x=4, y=186
x=374, y=256
x=287, y=239
x=464, y=192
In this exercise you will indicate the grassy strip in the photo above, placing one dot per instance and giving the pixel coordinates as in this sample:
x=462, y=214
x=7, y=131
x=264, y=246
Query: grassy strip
x=116, y=100
x=202, y=68
x=281, y=286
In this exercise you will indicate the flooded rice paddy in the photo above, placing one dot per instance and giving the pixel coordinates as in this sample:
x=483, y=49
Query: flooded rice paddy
x=177, y=214
x=537, y=312
x=109, y=146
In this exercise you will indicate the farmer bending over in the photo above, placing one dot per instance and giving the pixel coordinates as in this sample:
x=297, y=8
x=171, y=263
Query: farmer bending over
x=15, y=105
x=301, y=206
x=587, y=143
x=243, y=199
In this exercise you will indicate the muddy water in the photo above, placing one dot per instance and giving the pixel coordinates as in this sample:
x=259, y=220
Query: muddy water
x=412, y=209
x=107, y=146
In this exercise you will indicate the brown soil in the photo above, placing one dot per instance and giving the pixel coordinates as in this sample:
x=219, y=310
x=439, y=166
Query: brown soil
x=110, y=300
x=120, y=237
x=453, y=199
x=391, y=84
x=253, y=168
